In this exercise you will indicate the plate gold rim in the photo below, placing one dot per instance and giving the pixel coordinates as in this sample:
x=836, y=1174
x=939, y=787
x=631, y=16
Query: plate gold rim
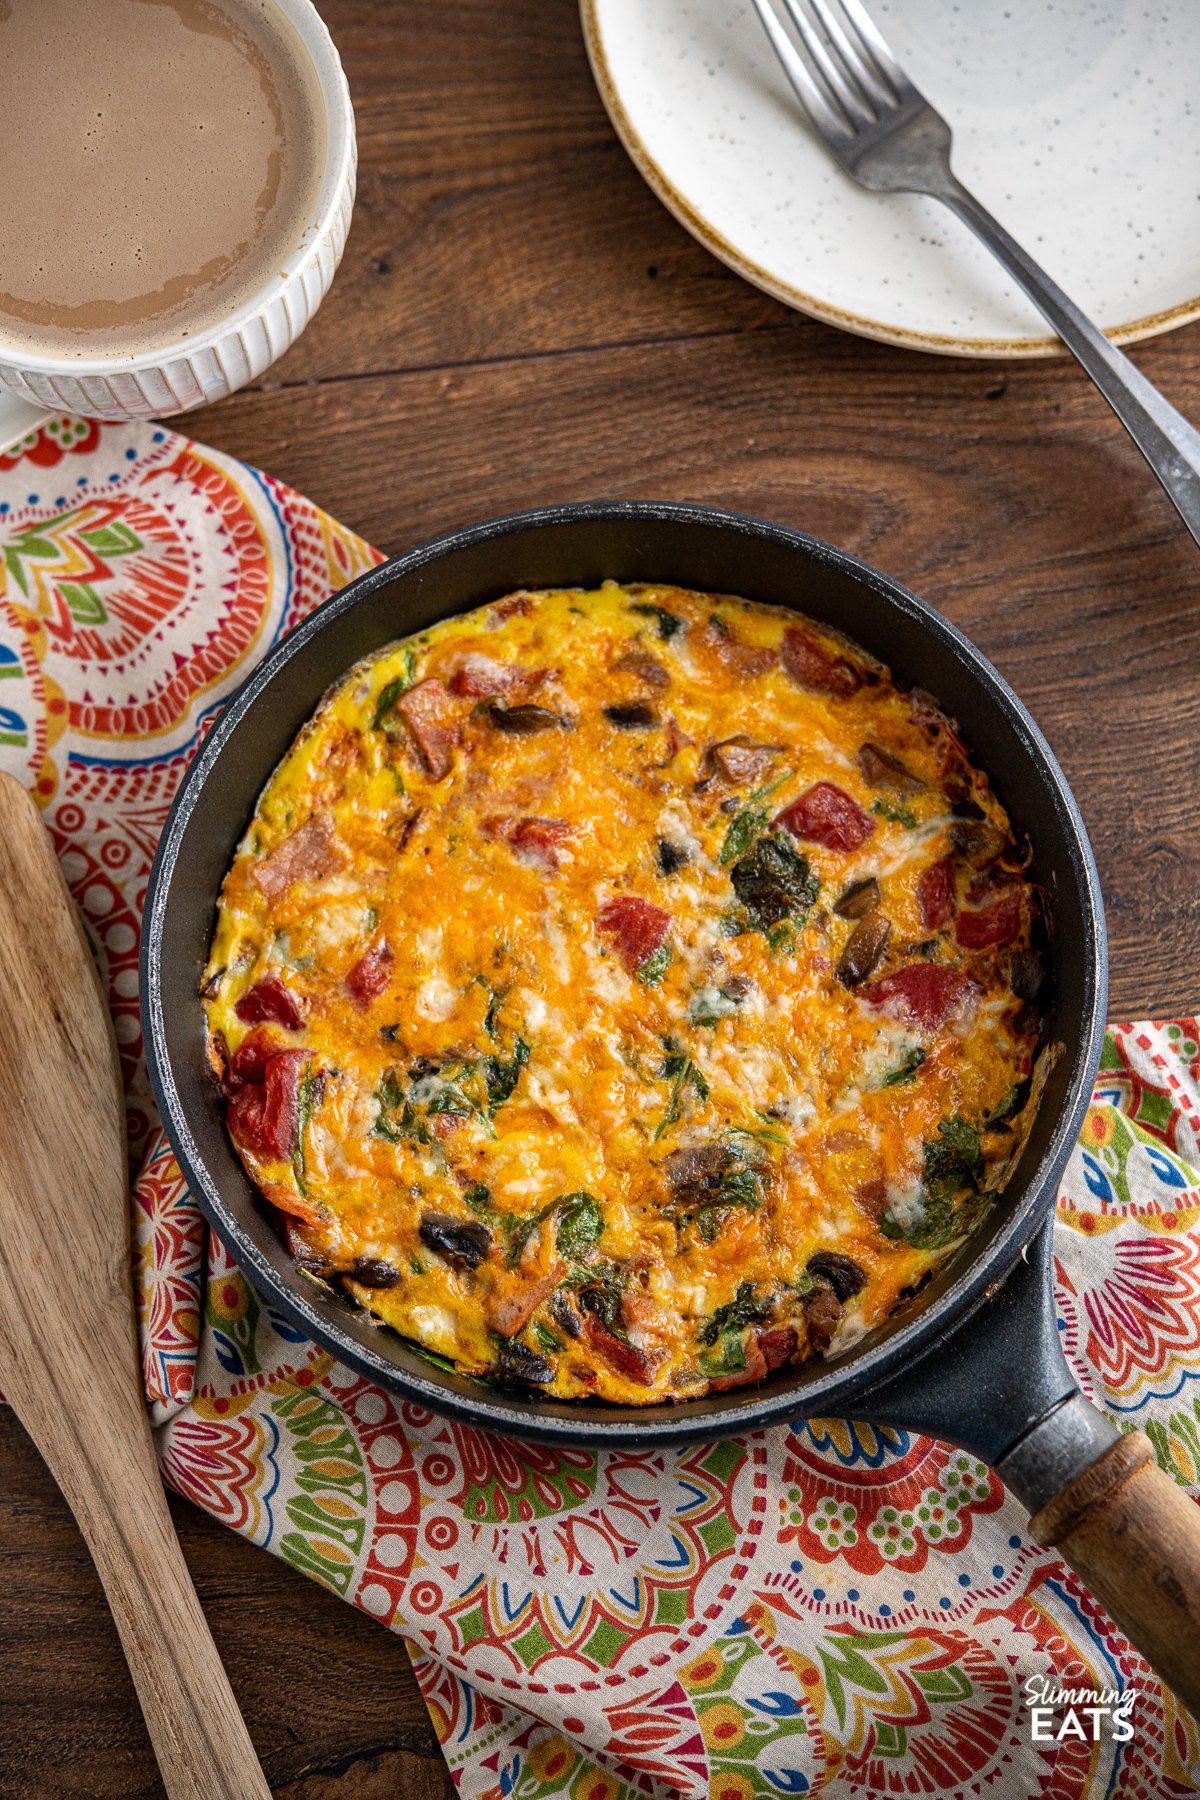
x=937, y=343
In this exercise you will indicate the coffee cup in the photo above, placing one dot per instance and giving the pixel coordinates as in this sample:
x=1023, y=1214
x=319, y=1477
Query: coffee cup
x=206, y=361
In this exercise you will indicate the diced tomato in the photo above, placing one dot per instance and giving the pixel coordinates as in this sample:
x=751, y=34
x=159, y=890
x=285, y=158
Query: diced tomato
x=811, y=666
x=477, y=677
x=924, y=992
x=429, y=711
x=370, y=975
x=935, y=894
x=636, y=926
x=827, y=815
x=264, y=1118
x=777, y=1346
x=989, y=926
x=268, y=1002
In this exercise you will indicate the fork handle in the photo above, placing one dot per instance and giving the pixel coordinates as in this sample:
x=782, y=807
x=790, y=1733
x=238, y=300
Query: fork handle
x=1169, y=444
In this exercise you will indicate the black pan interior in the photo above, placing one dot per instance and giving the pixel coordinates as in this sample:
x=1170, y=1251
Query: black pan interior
x=696, y=547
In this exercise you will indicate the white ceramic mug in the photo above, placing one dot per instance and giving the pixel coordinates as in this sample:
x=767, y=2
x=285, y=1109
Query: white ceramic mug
x=215, y=362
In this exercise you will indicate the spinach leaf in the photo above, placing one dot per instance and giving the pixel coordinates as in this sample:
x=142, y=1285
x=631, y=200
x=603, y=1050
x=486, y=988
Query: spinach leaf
x=308, y=1098
x=579, y=1226
x=1004, y=1109
x=746, y=1308
x=745, y=826
x=774, y=882
x=545, y=1337
x=681, y=1072
x=728, y=1361
x=952, y=1202
x=501, y=1075
x=385, y=705
x=651, y=971
x=906, y=1068
x=897, y=814
x=953, y=1157
x=666, y=621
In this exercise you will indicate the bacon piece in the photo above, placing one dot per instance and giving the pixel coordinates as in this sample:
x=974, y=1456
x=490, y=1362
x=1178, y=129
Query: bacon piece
x=636, y=926
x=811, y=666
x=264, y=1117
x=516, y=605
x=827, y=815
x=935, y=894
x=309, y=854
x=738, y=657
x=268, y=1002
x=627, y=1359
x=989, y=926
x=532, y=839
x=370, y=975
x=508, y=1309
x=647, y=668
x=925, y=993
x=478, y=677
x=992, y=881
x=778, y=1346
x=429, y=711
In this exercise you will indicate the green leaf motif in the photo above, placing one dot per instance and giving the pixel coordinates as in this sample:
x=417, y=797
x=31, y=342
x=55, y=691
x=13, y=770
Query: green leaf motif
x=113, y=539
x=83, y=602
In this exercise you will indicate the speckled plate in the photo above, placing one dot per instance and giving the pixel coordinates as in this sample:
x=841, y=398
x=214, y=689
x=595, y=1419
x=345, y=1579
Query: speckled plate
x=1075, y=121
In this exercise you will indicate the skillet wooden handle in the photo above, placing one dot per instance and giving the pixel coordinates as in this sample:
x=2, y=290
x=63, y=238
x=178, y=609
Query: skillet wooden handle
x=1134, y=1536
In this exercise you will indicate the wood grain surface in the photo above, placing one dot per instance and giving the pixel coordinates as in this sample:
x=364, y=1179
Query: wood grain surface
x=517, y=320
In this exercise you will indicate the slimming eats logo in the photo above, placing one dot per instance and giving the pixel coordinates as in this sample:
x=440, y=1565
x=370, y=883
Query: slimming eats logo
x=1059, y=1713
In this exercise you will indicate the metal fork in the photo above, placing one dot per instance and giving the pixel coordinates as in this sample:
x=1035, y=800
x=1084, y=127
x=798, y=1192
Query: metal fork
x=884, y=133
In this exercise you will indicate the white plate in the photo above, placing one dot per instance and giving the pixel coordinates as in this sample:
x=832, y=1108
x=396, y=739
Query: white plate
x=1077, y=122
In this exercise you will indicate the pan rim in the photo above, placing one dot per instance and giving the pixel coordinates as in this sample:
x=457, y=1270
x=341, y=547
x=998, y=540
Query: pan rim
x=844, y=1380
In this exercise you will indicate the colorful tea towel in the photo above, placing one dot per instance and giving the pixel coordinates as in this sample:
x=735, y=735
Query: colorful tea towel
x=821, y=1607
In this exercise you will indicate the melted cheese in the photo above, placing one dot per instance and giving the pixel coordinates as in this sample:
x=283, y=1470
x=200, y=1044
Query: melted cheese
x=509, y=1070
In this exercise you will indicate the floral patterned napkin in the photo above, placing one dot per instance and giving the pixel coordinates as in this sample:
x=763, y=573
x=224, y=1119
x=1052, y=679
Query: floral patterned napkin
x=817, y=1607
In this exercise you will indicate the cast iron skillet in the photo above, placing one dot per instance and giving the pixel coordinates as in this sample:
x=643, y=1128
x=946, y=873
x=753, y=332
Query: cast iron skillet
x=975, y=1359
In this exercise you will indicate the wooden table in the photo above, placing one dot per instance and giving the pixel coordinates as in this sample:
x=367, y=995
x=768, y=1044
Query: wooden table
x=517, y=320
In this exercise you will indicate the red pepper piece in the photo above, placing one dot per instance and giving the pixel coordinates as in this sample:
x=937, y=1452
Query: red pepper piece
x=926, y=993
x=370, y=975
x=264, y=1118
x=636, y=926
x=992, y=925
x=827, y=815
x=935, y=894
x=268, y=1002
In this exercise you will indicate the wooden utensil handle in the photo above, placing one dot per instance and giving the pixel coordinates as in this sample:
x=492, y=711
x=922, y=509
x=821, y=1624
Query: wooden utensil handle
x=200, y=1738
x=1134, y=1536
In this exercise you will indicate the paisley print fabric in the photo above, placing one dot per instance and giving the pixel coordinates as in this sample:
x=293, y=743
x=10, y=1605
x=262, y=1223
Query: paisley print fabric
x=824, y=1607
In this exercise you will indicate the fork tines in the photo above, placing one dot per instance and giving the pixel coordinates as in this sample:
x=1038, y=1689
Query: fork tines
x=843, y=73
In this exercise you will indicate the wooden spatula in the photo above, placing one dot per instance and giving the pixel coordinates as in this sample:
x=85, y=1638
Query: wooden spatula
x=68, y=1344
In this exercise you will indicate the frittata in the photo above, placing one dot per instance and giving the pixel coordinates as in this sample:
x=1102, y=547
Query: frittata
x=626, y=993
